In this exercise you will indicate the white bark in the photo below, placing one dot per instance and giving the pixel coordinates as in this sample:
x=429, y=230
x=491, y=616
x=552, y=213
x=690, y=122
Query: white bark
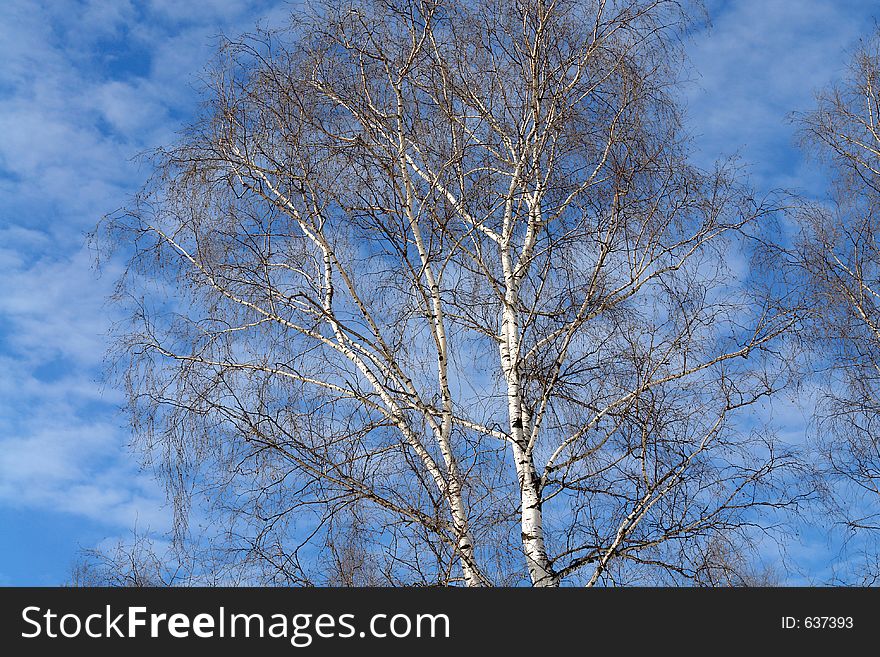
x=532, y=525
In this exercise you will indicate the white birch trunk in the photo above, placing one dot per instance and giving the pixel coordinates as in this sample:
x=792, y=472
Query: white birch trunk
x=532, y=524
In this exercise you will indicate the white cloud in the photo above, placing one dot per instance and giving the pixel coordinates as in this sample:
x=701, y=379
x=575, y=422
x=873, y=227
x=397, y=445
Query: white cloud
x=759, y=62
x=55, y=307
x=73, y=117
x=80, y=470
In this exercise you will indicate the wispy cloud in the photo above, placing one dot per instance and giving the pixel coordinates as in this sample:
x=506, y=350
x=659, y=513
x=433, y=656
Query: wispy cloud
x=760, y=61
x=85, y=86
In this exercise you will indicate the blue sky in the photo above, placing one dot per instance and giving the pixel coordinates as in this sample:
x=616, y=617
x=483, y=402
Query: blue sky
x=85, y=85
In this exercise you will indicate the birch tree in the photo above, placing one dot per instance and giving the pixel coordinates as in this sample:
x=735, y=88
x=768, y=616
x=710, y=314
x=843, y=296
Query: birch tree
x=840, y=255
x=432, y=295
